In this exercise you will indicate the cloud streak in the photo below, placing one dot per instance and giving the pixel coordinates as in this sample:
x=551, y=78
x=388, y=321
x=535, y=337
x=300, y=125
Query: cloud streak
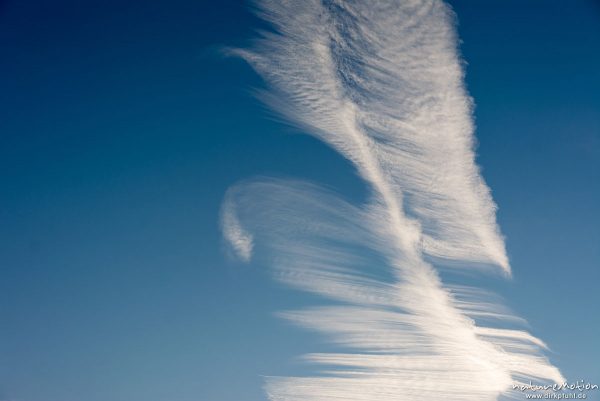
x=382, y=83
x=239, y=239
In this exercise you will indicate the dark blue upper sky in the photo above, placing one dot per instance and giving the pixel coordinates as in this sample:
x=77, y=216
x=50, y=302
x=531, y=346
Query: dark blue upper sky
x=122, y=126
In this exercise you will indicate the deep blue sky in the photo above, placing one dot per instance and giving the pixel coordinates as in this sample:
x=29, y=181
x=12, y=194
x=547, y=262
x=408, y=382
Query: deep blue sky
x=121, y=127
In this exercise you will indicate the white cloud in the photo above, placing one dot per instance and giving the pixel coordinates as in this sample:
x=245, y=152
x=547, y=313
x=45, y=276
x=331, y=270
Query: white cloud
x=239, y=239
x=407, y=336
x=382, y=83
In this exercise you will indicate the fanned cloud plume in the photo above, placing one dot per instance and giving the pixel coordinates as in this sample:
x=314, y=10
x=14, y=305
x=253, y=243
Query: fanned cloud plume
x=382, y=83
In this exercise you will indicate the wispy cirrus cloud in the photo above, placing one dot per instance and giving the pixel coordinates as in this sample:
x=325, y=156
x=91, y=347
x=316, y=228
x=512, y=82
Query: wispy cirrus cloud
x=382, y=83
x=239, y=239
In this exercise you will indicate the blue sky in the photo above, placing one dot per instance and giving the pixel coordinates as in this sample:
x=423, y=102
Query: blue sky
x=122, y=127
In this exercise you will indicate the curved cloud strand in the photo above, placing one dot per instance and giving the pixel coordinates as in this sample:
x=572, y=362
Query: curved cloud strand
x=382, y=83
x=239, y=239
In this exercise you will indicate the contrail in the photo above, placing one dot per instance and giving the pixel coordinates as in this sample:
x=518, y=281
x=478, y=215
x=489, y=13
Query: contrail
x=382, y=83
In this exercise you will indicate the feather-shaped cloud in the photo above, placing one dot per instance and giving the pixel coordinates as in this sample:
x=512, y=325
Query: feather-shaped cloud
x=382, y=83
